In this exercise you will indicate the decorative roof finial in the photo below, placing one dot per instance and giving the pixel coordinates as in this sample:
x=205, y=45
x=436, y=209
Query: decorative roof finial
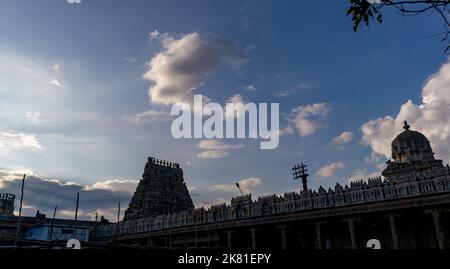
x=406, y=126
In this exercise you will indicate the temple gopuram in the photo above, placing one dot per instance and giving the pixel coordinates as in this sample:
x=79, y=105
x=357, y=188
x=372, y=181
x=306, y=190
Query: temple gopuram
x=161, y=191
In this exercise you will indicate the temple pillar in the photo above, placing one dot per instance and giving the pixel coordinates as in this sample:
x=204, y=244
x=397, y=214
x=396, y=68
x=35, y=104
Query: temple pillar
x=351, y=229
x=150, y=243
x=394, y=234
x=283, y=236
x=229, y=239
x=319, y=235
x=253, y=235
x=438, y=228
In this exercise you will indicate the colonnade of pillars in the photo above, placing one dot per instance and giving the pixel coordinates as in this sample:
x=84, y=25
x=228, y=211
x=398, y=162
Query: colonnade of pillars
x=351, y=222
x=283, y=233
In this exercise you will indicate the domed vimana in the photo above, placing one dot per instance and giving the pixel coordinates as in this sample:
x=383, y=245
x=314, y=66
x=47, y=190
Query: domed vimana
x=411, y=146
x=413, y=159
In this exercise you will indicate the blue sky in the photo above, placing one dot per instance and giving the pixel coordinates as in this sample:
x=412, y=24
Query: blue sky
x=71, y=85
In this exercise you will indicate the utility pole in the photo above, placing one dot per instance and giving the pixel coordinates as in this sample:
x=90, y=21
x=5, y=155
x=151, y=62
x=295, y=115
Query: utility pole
x=76, y=217
x=118, y=218
x=53, y=223
x=118, y=214
x=19, y=219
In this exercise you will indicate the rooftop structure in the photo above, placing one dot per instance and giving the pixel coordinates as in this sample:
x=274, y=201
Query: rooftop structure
x=7, y=204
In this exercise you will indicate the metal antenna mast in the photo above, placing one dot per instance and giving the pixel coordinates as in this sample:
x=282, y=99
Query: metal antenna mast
x=300, y=172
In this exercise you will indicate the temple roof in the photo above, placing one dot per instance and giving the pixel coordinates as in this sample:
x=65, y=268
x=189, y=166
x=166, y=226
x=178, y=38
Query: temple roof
x=411, y=146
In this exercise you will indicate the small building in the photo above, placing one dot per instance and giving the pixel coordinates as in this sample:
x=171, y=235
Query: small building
x=58, y=232
x=7, y=204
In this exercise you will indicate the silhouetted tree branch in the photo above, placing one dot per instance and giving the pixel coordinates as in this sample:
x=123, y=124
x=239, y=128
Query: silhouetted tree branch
x=367, y=10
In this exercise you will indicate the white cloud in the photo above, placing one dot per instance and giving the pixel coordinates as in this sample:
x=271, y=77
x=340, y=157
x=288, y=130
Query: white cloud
x=128, y=186
x=363, y=174
x=29, y=78
x=148, y=116
x=309, y=118
x=431, y=117
x=237, y=98
x=18, y=141
x=343, y=138
x=329, y=169
x=155, y=34
x=56, y=83
x=286, y=131
x=185, y=63
x=374, y=158
x=246, y=184
x=74, y=1
x=215, y=149
x=213, y=154
x=239, y=111
x=217, y=145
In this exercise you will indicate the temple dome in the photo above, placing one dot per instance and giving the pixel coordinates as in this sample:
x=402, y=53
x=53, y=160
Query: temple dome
x=410, y=146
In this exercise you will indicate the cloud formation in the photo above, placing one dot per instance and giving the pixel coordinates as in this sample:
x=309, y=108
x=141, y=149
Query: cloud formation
x=56, y=83
x=115, y=185
x=185, y=63
x=343, y=138
x=329, y=169
x=18, y=141
x=246, y=185
x=309, y=118
x=363, y=174
x=431, y=117
x=148, y=116
x=216, y=149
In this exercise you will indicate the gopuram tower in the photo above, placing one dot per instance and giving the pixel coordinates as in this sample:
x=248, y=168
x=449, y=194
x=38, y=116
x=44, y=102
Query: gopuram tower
x=162, y=190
